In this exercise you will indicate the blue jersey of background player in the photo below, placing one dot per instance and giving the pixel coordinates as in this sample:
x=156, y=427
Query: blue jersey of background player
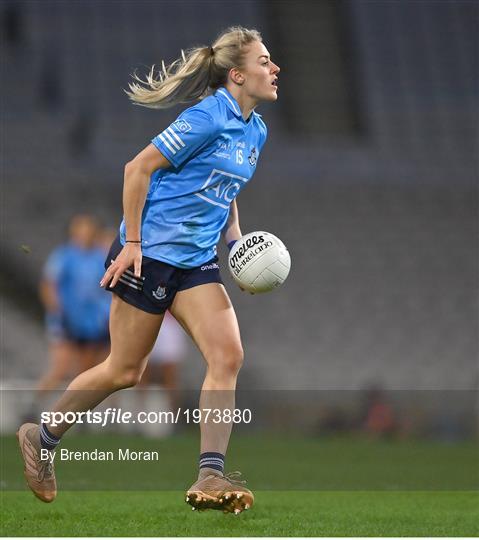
x=74, y=271
x=213, y=151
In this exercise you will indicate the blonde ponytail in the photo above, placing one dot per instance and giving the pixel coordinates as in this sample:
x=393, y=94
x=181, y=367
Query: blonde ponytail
x=196, y=74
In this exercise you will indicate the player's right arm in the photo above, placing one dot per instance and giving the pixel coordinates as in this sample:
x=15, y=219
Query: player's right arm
x=135, y=188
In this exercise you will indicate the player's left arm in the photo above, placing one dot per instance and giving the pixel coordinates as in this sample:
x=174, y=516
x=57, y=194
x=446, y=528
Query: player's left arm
x=232, y=230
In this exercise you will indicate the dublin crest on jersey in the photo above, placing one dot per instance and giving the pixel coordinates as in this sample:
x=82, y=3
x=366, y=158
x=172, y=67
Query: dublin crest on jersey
x=253, y=157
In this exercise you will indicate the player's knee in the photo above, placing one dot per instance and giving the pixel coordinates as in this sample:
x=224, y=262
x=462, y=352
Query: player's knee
x=120, y=372
x=235, y=360
x=228, y=361
x=122, y=376
x=127, y=378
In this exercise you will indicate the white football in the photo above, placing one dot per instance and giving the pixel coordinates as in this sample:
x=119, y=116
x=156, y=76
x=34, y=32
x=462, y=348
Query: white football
x=259, y=262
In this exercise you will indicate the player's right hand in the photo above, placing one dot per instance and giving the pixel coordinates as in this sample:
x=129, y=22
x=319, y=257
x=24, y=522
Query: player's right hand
x=129, y=256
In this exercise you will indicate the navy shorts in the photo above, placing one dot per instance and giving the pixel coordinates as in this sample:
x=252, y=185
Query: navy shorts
x=155, y=290
x=58, y=330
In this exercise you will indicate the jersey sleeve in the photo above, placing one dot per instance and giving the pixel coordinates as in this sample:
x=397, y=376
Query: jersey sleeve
x=192, y=130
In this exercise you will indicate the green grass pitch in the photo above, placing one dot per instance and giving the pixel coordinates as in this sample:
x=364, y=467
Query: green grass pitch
x=274, y=514
x=337, y=487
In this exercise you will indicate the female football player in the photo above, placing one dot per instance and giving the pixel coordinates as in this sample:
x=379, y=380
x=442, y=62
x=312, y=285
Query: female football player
x=178, y=197
x=76, y=309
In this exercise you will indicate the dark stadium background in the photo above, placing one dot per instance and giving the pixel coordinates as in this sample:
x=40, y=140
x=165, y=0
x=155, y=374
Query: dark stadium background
x=369, y=176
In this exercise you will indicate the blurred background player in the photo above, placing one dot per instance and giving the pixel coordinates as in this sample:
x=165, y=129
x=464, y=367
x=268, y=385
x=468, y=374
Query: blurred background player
x=76, y=309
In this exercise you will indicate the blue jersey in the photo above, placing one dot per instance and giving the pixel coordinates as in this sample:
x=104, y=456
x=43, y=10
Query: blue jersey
x=213, y=153
x=76, y=274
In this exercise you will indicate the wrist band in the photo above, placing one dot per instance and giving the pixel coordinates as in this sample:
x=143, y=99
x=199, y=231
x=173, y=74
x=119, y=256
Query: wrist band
x=132, y=241
x=231, y=244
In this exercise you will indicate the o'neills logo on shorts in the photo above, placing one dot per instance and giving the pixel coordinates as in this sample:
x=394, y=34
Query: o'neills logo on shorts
x=212, y=266
x=239, y=259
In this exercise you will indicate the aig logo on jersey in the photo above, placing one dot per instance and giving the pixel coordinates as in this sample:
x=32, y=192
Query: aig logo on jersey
x=221, y=188
x=182, y=126
x=253, y=157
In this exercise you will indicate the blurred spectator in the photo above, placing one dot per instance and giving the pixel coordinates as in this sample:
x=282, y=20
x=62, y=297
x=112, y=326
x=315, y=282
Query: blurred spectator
x=77, y=308
x=379, y=418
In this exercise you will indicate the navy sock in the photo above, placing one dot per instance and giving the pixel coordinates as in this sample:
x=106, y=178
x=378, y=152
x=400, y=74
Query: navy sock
x=47, y=439
x=212, y=460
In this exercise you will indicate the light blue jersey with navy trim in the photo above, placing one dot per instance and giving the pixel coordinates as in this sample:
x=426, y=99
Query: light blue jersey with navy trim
x=213, y=152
